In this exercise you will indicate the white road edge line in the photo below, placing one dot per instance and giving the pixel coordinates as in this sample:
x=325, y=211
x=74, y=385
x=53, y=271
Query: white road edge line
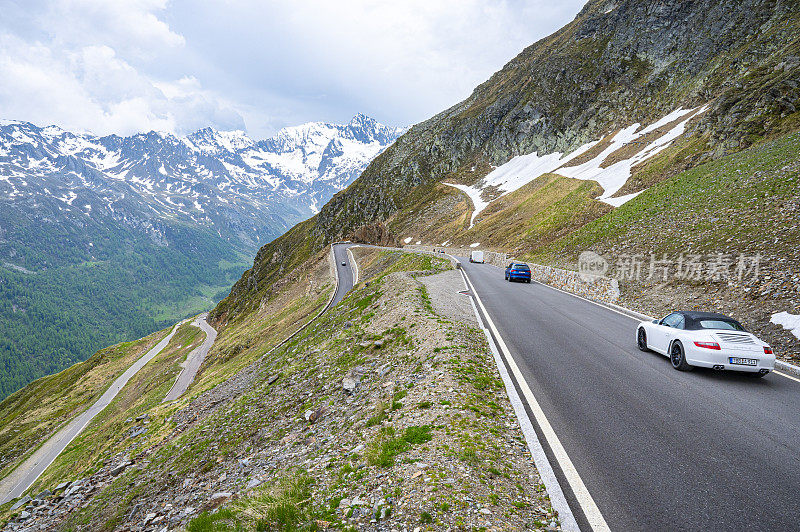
x=785, y=375
x=548, y=476
x=585, y=500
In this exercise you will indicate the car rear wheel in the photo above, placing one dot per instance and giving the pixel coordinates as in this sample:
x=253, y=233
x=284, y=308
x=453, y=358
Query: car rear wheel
x=678, y=357
x=641, y=339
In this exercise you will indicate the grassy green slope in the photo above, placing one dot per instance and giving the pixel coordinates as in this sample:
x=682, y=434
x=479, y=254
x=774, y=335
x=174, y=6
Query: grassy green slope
x=71, y=304
x=30, y=415
x=109, y=432
x=744, y=202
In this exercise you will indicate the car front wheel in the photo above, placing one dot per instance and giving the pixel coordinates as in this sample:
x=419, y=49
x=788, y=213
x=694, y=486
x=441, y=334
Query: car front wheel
x=641, y=339
x=678, y=357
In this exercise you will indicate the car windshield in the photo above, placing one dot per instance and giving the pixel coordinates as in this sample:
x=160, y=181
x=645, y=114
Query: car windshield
x=521, y=267
x=729, y=325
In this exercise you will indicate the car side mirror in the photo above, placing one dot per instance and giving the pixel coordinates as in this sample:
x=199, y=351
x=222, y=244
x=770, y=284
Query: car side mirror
x=657, y=321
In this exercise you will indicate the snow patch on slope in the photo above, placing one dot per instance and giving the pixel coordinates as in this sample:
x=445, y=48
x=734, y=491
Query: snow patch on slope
x=612, y=178
x=790, y=322
x=523, y=169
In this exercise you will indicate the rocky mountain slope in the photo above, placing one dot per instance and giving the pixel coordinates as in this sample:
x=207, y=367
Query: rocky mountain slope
x=104, y=239
x=628, y=95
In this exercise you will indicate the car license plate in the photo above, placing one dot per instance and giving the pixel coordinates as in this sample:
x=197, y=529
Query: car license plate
x=744, y=361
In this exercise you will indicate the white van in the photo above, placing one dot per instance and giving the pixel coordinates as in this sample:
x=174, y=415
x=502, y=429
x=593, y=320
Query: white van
x=476, y=256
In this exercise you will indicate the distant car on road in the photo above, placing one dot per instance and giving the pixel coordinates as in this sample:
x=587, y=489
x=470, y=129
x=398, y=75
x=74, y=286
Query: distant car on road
x=518, y=271
x=344, y=263
x=706, y=339
x=476, y=256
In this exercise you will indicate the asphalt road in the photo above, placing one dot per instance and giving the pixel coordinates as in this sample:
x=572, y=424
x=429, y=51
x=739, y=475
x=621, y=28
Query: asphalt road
x=193, y=360
x=657, y=449
x=19, y=480
x=344, y=272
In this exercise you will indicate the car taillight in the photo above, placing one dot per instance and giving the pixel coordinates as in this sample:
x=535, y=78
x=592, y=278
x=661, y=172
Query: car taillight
x=707, y=345
x=767, y=350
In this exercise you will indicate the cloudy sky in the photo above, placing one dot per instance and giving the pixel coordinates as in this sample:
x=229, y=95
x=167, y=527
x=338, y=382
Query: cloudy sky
x=125, y=66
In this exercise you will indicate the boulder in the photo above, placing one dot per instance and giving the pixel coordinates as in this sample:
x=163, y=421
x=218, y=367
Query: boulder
x=350, y=383
x=313, y=415
x=220, y=497
x=20, y=503
x=119, y=468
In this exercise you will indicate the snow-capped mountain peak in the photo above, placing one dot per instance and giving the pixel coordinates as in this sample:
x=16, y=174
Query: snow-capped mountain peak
x=219, y=178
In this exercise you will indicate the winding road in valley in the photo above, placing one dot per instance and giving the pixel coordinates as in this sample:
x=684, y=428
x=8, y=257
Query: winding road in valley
x=193, y=360
x=655, y=448
x=19, y=480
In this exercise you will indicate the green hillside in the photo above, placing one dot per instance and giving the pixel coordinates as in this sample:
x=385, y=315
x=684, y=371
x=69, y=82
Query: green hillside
x=72, y=299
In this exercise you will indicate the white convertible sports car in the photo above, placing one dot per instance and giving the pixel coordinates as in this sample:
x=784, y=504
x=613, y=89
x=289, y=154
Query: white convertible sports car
x=708, y=340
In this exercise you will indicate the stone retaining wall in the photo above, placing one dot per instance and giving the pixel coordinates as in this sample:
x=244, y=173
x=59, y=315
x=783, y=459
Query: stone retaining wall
x=598, y=288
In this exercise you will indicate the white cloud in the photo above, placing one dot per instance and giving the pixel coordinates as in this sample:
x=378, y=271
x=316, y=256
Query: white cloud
x=82, y=64
x=129, y=26
x=127, y=66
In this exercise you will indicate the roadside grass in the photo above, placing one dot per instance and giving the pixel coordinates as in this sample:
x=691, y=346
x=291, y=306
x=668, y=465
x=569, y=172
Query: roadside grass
x=387, y=445
x=246, y=339
x=31, y=415
x=375, y=264
x=286, y=506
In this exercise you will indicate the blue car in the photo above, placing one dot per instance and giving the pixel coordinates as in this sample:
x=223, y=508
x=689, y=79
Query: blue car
x=518, y=271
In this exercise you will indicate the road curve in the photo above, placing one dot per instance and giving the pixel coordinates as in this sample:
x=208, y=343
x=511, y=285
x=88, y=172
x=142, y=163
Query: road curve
x=344, y=272
x=193, y=360
x=657, y=449
x=19, y=480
